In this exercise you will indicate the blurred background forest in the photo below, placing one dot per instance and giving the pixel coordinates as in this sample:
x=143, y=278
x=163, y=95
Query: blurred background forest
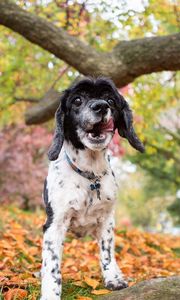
x=149, y=184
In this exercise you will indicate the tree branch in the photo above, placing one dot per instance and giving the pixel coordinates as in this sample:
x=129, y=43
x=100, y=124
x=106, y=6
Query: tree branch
x=158, y=173
x=44, y=109
x=147, y=55
x=62, y=71
x=175, y=135
x=165, y=152
x=24, y=99
x=48, y=36
x=127, y=61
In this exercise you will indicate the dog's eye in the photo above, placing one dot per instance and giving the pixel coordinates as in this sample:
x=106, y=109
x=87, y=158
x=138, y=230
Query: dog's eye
x=110, y=102
x=77, y=101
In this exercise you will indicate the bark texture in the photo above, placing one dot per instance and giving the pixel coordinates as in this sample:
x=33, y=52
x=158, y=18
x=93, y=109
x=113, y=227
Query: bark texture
x=44, y=110
x=127, y=61
x=154, y=289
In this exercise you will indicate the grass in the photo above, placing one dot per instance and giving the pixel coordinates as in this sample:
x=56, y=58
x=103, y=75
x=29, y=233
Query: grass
x=176, y=252
x=69, y=292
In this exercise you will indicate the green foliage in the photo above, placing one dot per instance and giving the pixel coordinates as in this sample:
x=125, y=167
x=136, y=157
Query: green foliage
x=159, y=127
x=142, y=200
x=28, y=71
x=174, y=209
x=70, y=291
x=155, y=100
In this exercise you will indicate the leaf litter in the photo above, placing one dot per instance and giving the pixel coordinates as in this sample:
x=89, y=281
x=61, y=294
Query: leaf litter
x=140, y=255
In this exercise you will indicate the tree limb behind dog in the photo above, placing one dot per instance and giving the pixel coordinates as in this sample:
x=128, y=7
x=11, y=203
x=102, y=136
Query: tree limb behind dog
x=127, y=61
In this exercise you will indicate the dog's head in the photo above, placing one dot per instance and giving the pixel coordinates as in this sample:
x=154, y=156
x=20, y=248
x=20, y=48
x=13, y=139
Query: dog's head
x=88, y=114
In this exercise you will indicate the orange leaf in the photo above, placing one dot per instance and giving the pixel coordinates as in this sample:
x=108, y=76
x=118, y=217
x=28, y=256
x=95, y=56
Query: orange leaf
x=3, y=278
x=79, y=283
x=131, y=283
x=84, y=298
x=91, y=282
x=100, y=292
x=17, y=294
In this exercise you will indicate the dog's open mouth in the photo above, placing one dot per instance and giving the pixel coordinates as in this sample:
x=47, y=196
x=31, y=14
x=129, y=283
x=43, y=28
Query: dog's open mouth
x=100, y=131
x=96, y=137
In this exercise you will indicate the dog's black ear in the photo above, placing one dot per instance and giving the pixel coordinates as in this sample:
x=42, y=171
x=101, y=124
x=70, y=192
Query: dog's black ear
x=124, y=125
x=58, y=138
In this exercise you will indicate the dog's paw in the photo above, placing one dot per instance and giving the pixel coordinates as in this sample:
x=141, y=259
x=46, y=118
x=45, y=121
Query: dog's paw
x=116, y=285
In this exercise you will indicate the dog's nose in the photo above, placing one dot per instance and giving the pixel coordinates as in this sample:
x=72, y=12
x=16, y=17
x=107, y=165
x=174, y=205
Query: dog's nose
x=100, y=106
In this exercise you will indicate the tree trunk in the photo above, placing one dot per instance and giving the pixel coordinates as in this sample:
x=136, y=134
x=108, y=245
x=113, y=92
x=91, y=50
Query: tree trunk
x=154, y=289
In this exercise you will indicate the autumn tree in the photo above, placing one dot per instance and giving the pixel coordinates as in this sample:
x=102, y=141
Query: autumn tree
x=57, y=28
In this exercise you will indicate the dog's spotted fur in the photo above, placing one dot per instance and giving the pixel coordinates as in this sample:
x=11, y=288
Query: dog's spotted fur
x=70, y=203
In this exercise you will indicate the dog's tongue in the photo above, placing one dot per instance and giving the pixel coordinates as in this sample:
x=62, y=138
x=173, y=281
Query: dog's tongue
x=107, y=127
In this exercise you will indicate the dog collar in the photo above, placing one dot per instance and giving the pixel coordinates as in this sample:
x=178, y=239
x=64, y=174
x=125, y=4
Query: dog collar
x=88, y=175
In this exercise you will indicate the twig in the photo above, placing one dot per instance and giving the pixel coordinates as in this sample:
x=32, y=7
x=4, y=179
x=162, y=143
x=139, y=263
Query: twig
x=24, y=99
x=62, y=71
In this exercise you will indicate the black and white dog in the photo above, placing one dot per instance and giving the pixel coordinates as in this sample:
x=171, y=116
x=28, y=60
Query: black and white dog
x=79, y=191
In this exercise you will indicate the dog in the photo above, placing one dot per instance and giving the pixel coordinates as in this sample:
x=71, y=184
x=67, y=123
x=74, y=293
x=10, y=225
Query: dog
x=79, y=191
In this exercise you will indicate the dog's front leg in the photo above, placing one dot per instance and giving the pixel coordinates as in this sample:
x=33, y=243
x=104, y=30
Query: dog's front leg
x=51, y=261
x=113, y=276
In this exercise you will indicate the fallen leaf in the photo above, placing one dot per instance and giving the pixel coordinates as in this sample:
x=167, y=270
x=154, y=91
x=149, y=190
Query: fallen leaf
x=100, y=292
x=136, y=254
x=3, y=278
x=83, y=298
x=91, y=282
x=17, y=294
x=79, y=283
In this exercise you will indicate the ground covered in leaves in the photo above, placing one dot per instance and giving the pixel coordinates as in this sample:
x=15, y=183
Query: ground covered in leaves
x=141, y=256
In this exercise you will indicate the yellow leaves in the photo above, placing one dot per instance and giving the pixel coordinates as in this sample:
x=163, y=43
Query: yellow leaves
x=170, y=162
x=151, y=150
x=166, y=249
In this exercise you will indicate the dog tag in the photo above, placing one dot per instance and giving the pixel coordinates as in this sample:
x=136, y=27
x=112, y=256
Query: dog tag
x=96, y=186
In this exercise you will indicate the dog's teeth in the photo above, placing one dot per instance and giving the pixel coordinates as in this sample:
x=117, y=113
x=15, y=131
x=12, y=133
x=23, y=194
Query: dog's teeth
x=93, y=136
x=102, y=136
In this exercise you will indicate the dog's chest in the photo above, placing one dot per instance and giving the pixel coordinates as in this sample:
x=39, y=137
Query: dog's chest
x=74, y=199
x=92, y=206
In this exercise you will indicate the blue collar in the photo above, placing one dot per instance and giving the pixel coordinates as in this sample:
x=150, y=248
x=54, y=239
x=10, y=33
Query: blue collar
x=88, y=175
